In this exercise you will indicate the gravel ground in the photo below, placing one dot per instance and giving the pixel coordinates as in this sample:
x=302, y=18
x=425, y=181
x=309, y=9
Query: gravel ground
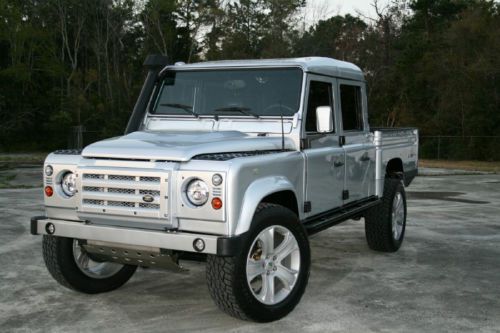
x=445, y=278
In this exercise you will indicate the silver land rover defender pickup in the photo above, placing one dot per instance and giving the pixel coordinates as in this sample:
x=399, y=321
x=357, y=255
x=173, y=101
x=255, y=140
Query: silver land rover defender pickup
x=235, y=163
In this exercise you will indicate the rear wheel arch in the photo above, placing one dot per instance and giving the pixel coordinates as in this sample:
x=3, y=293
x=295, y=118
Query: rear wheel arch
x=394, y=167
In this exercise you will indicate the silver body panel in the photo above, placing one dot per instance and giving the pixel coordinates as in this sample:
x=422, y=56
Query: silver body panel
x=129, y=237
x=167, y=150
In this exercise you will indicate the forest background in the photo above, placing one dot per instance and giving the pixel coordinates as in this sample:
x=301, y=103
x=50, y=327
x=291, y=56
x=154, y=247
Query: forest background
x=71, y=66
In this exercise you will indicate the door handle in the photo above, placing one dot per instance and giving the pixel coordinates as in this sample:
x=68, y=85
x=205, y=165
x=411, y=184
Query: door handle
x=338, y=164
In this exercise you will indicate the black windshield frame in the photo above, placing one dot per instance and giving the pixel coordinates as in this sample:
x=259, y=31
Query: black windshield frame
x=273, y=92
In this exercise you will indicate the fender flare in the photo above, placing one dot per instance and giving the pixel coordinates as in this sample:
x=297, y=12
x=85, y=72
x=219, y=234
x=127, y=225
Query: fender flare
x=254, y=194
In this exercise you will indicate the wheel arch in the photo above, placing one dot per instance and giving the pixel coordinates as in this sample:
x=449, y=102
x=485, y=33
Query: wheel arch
x=274, y=189
x=394, y=167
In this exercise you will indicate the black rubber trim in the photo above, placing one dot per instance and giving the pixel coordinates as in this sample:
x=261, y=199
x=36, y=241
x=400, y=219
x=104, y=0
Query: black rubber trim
x=230, y=246
x=230, y=155
x=34, y=223
x=154, y=63
x=322, y=221
x=409, y=176
x=68, y=152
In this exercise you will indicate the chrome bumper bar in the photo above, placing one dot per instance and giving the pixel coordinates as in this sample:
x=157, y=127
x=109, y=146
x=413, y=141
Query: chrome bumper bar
x=180, y=241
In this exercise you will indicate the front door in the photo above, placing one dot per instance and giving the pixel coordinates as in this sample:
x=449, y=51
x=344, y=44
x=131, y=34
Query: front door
x=325, y=158
x=358, y=146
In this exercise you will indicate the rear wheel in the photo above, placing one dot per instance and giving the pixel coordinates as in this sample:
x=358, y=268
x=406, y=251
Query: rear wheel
x=267, y=279
x=385, y=224
x=71, y=266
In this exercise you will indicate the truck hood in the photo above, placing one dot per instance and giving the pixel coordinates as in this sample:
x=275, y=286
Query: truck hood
x=180, y=146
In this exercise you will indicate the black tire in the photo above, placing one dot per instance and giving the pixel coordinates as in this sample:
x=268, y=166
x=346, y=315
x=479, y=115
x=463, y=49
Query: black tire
x=59, y=259
x=226, y=276
x=378, y=220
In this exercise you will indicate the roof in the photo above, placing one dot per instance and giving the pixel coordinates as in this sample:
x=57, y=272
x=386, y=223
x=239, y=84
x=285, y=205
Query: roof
x=317, y=65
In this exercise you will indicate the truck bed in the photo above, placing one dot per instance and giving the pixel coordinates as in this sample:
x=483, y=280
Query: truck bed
x=397, y=146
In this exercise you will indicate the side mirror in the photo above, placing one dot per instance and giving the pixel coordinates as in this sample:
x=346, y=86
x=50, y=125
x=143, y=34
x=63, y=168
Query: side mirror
x=324, y=119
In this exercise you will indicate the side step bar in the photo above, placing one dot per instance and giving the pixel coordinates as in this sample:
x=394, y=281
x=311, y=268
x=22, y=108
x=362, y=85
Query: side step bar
x=335, y=216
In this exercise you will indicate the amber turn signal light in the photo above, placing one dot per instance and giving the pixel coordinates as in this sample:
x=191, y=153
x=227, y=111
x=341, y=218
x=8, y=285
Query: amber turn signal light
x=216, y=203
x=49, y=191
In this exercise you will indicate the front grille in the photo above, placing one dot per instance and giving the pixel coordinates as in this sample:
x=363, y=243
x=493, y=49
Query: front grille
x=93, y=189
x=149, y=206
x=92, y=176
x=93, y=202
x=150, y=192
x=121, y=190
x=150, y=179
x=124, y=194
x=119, y=177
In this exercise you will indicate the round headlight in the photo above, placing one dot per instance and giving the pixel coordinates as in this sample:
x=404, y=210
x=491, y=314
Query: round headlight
x=216, y=179
x=197, y=192
x=68, y=184
x=49, y=170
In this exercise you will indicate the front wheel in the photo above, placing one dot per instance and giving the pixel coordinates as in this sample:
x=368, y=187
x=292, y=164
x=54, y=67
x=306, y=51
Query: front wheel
x=71, y=266
x=267, y=279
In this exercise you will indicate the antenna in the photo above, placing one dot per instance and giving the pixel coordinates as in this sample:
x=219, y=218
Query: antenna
x=282, y=130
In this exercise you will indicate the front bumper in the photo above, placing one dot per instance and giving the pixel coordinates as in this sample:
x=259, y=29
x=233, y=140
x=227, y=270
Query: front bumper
x=171, y=240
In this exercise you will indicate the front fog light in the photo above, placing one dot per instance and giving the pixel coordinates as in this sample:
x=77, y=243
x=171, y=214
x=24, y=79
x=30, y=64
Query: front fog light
x=68, y=184
x=197, y=192
x=199, y=244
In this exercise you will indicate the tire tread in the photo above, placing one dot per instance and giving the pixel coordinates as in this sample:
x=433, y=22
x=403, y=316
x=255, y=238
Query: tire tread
x=377, y=219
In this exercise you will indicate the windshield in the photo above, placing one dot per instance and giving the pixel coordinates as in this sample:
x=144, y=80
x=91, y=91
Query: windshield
x=230, y=92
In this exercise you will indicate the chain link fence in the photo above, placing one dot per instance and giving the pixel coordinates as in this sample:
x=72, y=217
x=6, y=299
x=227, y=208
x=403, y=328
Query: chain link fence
x=449, y=147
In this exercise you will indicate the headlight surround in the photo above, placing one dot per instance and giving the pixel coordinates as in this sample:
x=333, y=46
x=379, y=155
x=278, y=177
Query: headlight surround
x=197, y=192
x=68, y=184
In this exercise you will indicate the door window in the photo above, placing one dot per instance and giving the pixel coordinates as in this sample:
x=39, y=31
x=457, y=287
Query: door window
x=352, y=110
x=320, y=94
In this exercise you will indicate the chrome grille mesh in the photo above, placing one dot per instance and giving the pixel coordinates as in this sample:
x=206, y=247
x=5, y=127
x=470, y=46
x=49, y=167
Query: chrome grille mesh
x=93, y=189
x=128, y=194
x=149, y=206
x=150, y=192
x=150, y=179
x=92, y=176
x=121, y=203
x=93, y=202
x=121, y=190
x=119, y=177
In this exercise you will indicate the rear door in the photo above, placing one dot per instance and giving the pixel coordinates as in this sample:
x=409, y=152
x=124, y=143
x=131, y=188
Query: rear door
x=325, y=160
x=358, y=145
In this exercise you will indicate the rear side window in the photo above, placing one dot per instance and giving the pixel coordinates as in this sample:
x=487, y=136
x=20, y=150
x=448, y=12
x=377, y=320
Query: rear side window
x=320, y=94
x=350, y=101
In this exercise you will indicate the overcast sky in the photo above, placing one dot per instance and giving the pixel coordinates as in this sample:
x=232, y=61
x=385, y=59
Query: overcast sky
x=321, y=9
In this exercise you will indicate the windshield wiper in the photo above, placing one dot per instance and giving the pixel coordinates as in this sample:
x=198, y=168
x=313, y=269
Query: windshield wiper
x=243, y=110
x=187, y=108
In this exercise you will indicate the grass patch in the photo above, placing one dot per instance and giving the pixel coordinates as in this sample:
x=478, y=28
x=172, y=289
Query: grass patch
x=462, y=165
x=6, y=179
x=27, y=158
x=17, y=187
